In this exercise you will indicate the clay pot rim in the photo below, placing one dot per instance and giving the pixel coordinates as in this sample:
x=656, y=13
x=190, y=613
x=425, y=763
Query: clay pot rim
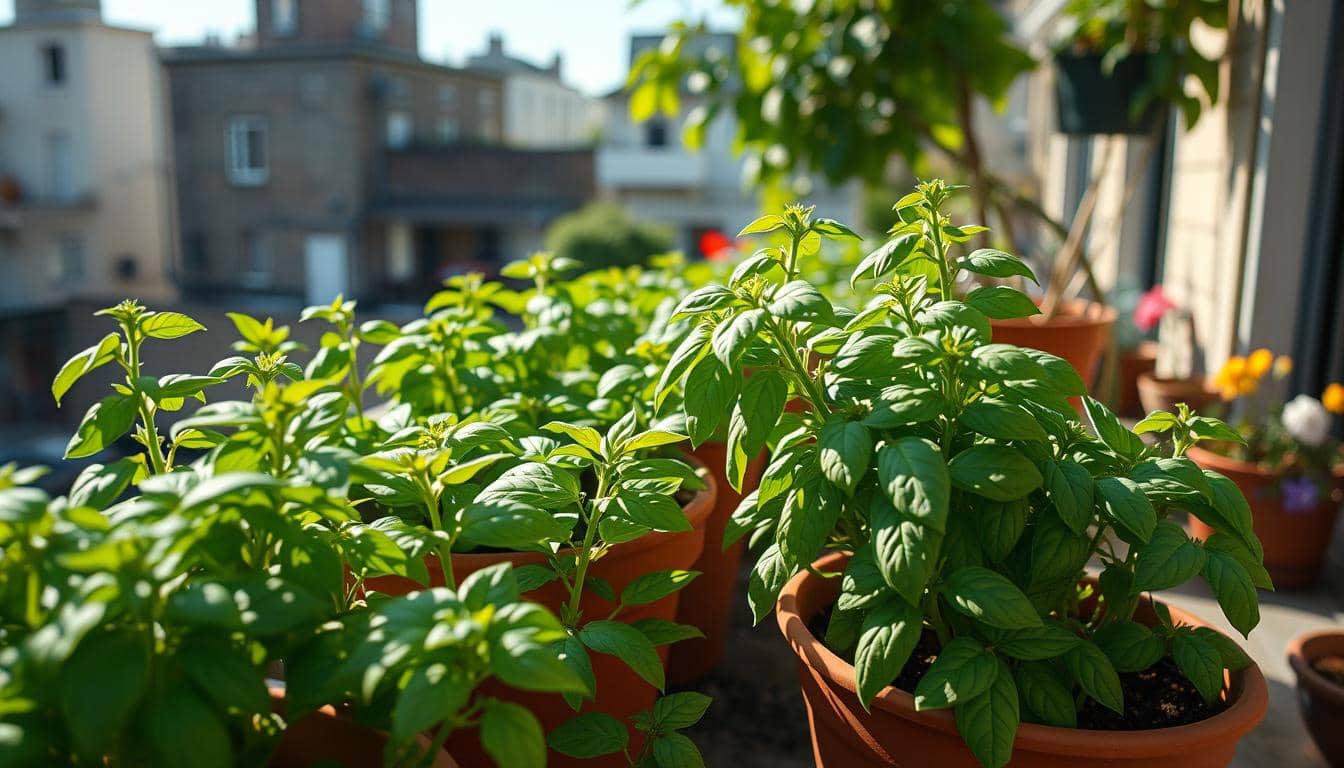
x=1077, y=313
x=1301, y=654
x=697, y=510
x=1177, y=383
x=1225, y=464
x=276, y=690
x=1245, y=712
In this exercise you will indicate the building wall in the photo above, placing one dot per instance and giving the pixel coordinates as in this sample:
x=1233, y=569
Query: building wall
x=541, y=112
x=326, y=118
x=341, y=21
x=111, y=111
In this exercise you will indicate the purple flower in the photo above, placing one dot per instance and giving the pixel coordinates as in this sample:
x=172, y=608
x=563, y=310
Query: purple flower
x=1300, y=494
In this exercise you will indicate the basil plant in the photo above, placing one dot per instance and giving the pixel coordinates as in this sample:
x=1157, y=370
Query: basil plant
x=144, y=613
x=956, y=475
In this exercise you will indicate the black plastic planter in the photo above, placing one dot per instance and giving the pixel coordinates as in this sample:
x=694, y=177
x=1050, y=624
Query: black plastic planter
x=1090, y=102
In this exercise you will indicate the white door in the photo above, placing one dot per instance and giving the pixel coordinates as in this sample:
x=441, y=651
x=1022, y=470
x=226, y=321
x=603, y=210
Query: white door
x=326, y=268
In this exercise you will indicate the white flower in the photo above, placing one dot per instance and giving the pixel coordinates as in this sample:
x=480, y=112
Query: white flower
x=1307, y=420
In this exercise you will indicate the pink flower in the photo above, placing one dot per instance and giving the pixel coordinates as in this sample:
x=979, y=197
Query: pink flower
x=1152, y=306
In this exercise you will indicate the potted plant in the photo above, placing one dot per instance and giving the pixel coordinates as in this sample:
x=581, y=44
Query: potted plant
x=162, y=616
x=1172, y=379
x=602, y=525
x=1317, y=660
x=1121, y=61
x=1288, y=466
x=962, y=500
x=590, y=350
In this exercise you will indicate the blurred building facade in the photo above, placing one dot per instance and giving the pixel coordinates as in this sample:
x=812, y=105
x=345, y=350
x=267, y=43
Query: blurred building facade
x=330, y=158
x=647, y=168
x=540, y=110
x=86, y=202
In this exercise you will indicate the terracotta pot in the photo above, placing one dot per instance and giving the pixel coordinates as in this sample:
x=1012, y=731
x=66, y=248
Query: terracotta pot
x=1134, y=363
x=708, y=601
x=620, y=692
x=1162, y=394
x=1320, y=699
x=326, y=737
x=1294, y=540
x=1079, y=333
x=894, y=734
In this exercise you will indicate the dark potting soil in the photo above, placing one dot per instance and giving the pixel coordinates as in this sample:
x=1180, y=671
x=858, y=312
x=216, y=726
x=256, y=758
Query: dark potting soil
x=1158, y=697
x=1331, y=668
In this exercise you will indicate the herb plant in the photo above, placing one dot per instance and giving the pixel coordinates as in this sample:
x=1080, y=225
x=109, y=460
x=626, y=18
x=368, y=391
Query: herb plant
x=958, y=478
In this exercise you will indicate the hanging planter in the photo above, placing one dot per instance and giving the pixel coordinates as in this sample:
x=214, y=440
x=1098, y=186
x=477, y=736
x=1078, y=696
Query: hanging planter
x=1092, y=101
x=844, y=735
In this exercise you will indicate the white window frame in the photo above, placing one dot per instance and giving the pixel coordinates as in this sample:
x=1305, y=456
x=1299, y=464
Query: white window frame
x=284, y=18
x=400, y=129
x=242, y=169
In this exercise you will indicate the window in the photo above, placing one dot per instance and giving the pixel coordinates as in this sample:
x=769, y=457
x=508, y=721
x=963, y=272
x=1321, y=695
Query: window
x=257, y=261
x=489, y=130
x=655, y=133
x=53, y=63
x=486, y=99
x=284, y=17
x=449, y=130
x=247, y=153
x=447, y=95
x=69, y=264
x=400, y=130
x=377, y=14
x=60, y=167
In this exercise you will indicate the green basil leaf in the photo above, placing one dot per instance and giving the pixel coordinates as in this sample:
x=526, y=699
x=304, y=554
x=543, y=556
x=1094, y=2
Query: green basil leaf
x=990, y=598
x=913, y=476
x=1199, y=661
x=997, y=472
x=511, y=735
x=995, y=263
x=1130, y=646
x=1126, y=505
x=962, y=671
x=627, y=644
x=589, y=735
x=988, y=723
x=844, y=450
x=887, y=638
x=1095, y=675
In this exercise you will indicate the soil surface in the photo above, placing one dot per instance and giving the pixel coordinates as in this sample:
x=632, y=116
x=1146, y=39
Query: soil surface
x=1331, y=668
x=1157, y=697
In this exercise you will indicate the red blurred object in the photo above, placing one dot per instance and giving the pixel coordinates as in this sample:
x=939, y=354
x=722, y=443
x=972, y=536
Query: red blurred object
x=715, y=245
x=1152, y=306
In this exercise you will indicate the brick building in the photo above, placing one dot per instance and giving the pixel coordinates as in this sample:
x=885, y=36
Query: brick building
x=330, y=158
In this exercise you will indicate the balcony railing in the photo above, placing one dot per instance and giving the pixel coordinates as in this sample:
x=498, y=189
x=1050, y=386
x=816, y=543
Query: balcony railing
x=649, y=168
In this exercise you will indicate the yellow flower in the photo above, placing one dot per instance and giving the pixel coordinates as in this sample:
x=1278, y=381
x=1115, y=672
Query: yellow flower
x=1230, y=373
x=1283, y=366
x=1259, y=363
x=1333, y=399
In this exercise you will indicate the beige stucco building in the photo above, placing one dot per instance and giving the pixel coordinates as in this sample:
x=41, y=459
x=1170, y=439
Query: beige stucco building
x=85, y=160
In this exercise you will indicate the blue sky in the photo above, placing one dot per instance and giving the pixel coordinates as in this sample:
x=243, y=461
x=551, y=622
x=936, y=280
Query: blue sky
x=592, y=35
